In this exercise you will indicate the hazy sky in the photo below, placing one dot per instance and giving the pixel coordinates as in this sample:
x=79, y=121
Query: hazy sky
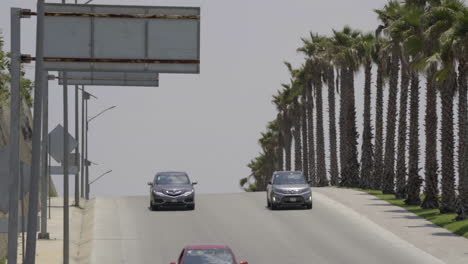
x=207, y=124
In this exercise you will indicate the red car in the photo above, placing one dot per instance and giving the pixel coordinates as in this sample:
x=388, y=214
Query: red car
x=207, y=254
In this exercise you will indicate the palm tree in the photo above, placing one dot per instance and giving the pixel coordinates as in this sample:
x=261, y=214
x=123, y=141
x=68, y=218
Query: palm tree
x=441, y=20
x=365, y=47
x=334, y=171
x=301, y=80
x=296, y=115
x=431, y=190
x=346, y=59
x=411, y=24
x=457, y=38
x=316, y=66
x=388, y=15
x=284, y=118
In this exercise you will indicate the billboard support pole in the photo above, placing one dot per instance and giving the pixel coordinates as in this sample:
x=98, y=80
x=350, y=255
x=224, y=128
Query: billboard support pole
x=44, y=176
x=66, y=208
x=77, y=152
x=14, y=134
x=36, y=141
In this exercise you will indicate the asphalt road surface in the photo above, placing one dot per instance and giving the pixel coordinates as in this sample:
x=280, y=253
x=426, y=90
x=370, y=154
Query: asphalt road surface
x=126, y=231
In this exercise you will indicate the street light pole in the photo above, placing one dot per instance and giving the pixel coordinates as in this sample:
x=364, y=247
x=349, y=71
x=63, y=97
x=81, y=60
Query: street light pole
x=87, y=130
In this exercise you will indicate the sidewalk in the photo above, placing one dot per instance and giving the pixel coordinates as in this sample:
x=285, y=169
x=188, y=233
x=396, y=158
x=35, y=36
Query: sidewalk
x=421, y=233
x=51, y=251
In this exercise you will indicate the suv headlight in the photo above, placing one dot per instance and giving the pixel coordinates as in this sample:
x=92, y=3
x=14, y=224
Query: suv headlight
x=188, y=193
x=275, y=190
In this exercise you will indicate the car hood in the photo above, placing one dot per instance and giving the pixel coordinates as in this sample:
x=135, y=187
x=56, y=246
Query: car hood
x=291, y=187
x=173, y=188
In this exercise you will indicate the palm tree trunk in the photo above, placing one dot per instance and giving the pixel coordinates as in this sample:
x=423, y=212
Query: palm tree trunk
x=389, y=159
x=311, y=139
x=378, y=156
x=297, y=138
x=287, y=149
x=332, y=128
x=351, y=130
x=413, y=189
x=344, y=173
x=305, y=152
x=402, y=133
x=448, y=201
x=463, y=141
x=280, y=153
x=431, y=190
x=367, y=155
x=321, y=164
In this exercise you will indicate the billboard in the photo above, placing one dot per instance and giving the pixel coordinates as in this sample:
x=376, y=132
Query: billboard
x=121, y=38
x=143, y=79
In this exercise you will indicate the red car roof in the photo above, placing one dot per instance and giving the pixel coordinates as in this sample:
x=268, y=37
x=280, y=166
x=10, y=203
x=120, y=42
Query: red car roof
x=205, y=246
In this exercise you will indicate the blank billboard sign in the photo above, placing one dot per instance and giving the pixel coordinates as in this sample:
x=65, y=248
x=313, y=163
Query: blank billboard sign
x=122, y=38
x=144, y=79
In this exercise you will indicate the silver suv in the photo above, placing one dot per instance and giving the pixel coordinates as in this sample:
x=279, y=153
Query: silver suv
x=288, y=188
x=172, y=189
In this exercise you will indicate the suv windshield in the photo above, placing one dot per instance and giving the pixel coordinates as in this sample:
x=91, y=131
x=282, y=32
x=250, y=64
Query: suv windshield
x=209, y=256
x=281, y=179
x=172, y=179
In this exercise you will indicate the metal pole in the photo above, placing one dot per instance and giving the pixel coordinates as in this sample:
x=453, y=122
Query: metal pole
x=66, y=234
x=14, y=134
x=77, y=157
x=49, y=181
x=36, y=141
x=77, y=152
x=82, y=141
x=87, y=159
x=45, y=137
x=66, y=208
x=23, y=224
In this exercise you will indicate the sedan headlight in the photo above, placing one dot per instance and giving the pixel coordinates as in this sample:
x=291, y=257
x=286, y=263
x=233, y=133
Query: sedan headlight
x=188, y=193
x=159, y=193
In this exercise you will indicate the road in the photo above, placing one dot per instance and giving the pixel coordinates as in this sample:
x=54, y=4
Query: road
x=126, y=231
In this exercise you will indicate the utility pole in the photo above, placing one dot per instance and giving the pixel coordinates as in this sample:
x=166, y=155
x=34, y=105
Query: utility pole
x=36, y=141
x=15, y=112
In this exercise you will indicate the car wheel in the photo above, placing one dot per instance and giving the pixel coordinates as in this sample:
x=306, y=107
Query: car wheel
x=268, y=203
x=191, y=207
x=309, y=206
x=274, y=206
x=153, y=207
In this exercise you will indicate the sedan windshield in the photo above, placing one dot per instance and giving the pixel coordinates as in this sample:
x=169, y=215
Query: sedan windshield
x=282, y=179
x=172, y=180
x=209, y=256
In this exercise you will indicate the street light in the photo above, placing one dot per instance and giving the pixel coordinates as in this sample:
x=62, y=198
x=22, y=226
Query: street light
x=102, y=175
x=87, y=163
x=102, y=112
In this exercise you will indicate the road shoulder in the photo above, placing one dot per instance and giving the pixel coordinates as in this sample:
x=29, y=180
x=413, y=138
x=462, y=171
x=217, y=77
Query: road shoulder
x=419, y=232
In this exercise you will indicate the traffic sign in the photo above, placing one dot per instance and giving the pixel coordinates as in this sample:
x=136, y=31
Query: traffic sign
x=56, y=143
